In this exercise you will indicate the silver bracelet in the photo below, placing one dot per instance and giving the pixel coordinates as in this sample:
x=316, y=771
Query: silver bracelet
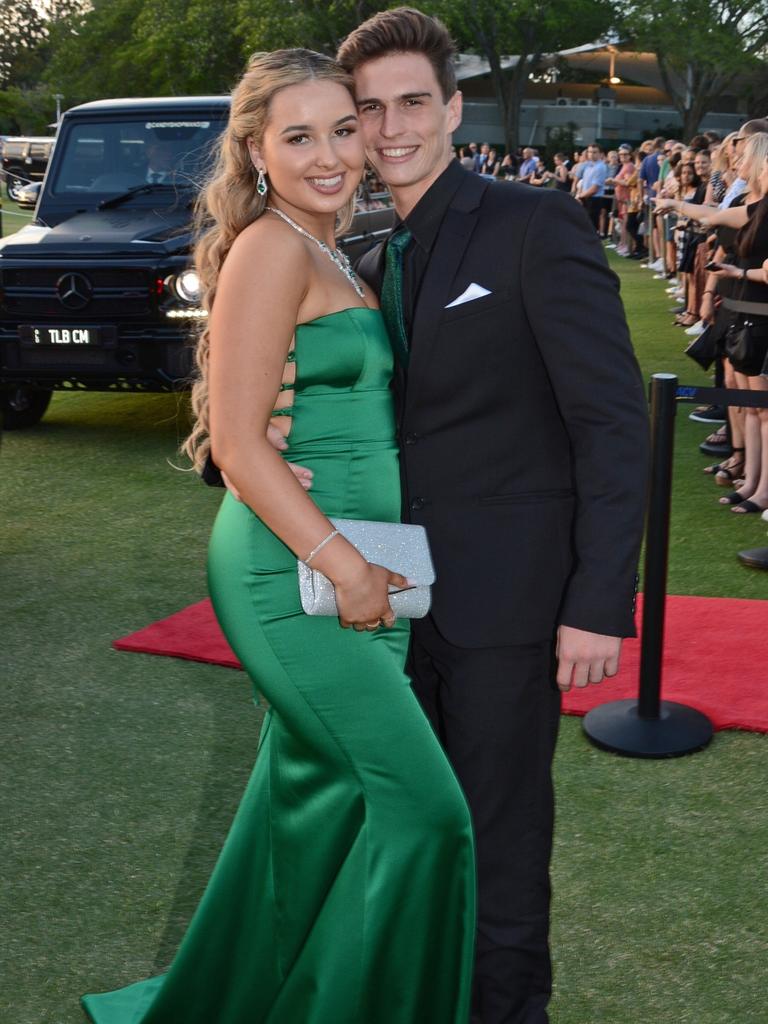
x=320, y=546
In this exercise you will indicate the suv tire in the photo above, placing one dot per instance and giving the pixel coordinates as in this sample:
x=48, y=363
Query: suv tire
x=23, y=406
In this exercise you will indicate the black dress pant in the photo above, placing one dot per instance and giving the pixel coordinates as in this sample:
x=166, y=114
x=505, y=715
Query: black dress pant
x=594, y=206
x=496, y=712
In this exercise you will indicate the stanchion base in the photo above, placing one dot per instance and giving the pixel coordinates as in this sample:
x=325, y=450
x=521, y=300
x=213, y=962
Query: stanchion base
x=619, y=728
x=755, y=558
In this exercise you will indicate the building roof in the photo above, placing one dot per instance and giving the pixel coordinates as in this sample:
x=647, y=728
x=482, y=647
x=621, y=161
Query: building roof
x=632, y=66
x=470, y=65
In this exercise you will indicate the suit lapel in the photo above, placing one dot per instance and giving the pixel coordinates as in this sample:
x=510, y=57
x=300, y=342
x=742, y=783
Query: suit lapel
x=444, y=262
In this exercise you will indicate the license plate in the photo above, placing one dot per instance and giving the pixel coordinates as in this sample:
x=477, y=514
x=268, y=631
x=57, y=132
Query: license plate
x=60, y=337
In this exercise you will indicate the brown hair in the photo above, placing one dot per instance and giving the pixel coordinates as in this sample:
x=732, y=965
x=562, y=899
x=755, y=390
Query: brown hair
x=678, y=172
x=402, y=30
x=229, y=201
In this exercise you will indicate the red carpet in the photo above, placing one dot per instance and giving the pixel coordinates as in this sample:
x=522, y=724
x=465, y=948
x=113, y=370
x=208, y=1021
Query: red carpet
x=716, y=657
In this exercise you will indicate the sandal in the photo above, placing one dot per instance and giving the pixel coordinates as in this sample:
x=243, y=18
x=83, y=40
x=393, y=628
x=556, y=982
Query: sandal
x=727, y=472
x=719, y=436
x=686, y=320
x=745, y=507
x=734, y=498
x=722, y=465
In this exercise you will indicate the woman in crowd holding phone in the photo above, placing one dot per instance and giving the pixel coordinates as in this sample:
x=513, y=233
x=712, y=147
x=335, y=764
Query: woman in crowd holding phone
x=746, y=340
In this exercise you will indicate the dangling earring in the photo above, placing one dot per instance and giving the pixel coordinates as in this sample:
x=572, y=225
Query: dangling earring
x=261, y=183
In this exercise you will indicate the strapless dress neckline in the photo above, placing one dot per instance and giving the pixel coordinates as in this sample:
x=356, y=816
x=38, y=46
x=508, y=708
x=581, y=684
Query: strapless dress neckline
x=340, y=312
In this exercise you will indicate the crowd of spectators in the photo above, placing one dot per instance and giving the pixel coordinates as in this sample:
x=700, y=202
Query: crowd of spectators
x=696, y=216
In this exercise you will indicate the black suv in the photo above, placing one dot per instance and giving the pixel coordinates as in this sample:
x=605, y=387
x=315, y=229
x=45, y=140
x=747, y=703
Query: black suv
x=97, y=292
x=24, y=161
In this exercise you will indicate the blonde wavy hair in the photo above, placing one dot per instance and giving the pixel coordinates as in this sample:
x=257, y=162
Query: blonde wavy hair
x=229, y=202
x=753, y=161
x=722, y=157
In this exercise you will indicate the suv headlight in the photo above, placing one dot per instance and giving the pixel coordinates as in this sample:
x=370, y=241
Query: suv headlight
x=186, y=286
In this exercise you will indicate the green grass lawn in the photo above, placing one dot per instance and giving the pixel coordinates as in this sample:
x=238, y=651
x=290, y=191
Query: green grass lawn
x=12, y=216
x=122, y=771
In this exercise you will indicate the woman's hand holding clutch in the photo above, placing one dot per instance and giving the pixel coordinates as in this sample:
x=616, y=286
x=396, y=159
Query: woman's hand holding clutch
x=363, y=600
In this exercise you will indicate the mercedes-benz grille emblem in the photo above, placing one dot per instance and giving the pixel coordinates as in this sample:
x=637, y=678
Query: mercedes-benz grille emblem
x=75, y=291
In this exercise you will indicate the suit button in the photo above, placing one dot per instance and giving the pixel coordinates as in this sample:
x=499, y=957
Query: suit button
x=417, y=504
x=411, y=438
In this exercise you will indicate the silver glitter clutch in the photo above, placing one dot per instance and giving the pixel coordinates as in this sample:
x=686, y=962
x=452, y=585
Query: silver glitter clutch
x=400, y=547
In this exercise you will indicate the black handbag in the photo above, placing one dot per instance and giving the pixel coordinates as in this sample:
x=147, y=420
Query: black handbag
x=738, y=342
x=704, y=348
x=745, y=345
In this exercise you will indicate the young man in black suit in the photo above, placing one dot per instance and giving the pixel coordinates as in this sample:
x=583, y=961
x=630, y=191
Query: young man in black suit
x=523, y=430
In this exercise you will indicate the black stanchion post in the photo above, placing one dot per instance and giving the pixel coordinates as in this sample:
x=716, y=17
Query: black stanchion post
x=663, y=391
x=650, y=727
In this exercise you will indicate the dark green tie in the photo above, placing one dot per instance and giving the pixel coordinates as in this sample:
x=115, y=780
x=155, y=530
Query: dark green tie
x=392, y=293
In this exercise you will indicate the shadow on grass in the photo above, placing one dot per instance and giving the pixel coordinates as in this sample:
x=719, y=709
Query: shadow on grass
x=113, y=416
x=214, y=814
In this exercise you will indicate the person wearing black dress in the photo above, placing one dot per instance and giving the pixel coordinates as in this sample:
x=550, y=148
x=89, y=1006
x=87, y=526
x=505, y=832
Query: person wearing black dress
x=746, y=339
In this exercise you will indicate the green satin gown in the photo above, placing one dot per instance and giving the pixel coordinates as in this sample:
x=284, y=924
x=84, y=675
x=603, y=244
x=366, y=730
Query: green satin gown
x=345, y=891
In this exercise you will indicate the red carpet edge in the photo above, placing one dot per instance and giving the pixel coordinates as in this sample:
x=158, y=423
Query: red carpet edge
x=716, y=657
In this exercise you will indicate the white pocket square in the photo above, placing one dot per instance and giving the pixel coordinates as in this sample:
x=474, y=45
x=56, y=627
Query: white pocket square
x=475, y=291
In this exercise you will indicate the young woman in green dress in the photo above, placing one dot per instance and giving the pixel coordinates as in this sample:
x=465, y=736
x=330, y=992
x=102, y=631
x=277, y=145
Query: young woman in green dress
x=345, y=890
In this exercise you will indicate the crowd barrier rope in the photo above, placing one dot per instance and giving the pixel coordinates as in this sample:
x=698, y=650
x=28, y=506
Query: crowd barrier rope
x=650, y=727
x=12, y=213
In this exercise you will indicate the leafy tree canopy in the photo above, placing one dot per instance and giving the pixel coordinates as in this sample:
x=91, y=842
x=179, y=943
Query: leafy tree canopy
x=317, y=24
x=526, y=28
x=22, y=29
x=701, y=46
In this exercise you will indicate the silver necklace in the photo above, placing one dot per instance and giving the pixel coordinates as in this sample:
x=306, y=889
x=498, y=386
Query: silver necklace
x=339, y=259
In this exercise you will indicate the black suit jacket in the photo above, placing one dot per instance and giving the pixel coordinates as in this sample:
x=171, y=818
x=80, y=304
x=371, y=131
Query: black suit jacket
x=523, y=422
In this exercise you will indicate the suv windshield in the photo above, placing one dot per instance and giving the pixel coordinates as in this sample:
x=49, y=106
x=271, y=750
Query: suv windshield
x=111, y=157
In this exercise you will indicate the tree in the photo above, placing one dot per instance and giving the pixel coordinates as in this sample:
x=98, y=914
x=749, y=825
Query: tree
x=317, y=24
x=524, y=28
x=27, y=105
x=23, y=28
x=702, y=46
x=755, y=90
x=26, y=111
x=188, y=47
x=141, y=48
x=93, y=49
x=93, y=53
x=562, y=139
